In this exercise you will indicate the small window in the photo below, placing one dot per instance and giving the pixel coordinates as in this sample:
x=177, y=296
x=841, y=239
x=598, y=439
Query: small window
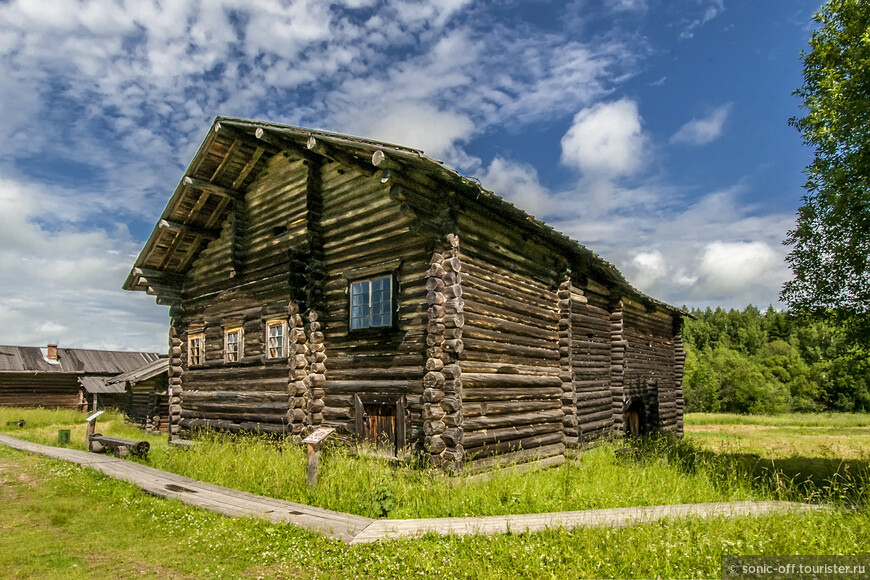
x=275, y=333
x=195, y=349
x=232, y=345
x=371, y=303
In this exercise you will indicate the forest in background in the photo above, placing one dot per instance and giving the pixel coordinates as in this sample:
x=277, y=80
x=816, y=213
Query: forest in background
x=769, y=362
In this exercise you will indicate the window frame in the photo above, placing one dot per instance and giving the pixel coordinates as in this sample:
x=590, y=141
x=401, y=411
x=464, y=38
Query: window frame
x=393, y=293
x=282, y=324
x=240, y=345
x=193, y=361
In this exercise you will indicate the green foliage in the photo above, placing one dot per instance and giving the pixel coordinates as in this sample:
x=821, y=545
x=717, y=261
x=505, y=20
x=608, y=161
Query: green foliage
x=382, y=500
x=700, y=386
x=753, y=362
x=831, y=240
x=735, y=383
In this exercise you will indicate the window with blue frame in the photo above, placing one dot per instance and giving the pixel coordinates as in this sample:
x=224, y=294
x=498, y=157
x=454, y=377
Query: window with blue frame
x=371, y=303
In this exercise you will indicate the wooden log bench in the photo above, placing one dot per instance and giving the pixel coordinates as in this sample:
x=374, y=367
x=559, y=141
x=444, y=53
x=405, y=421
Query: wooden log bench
x=98, y=443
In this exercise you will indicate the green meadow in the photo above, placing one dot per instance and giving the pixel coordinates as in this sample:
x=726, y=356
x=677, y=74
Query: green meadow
x=60, y=520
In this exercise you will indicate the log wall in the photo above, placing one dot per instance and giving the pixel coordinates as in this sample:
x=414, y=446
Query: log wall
x=50, y=390
x=679, y=365
x=146, y=404
x=591, y=347
x=511, y=384
x=442, y=397
x=366, y=234
x=241, y=280
x=650, y=366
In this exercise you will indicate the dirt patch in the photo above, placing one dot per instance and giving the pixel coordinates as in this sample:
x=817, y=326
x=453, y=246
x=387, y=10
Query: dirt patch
x=127, y=567
x=15, y=474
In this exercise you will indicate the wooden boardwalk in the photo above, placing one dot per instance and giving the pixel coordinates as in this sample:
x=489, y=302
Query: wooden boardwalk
x=357, y=529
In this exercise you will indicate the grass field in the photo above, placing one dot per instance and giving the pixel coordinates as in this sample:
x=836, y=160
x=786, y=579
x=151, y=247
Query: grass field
x=819, y=448
x=64, y=521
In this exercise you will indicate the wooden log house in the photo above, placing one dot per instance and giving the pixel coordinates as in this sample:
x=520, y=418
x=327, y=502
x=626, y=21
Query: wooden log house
x=319, y=279
x=70, y=378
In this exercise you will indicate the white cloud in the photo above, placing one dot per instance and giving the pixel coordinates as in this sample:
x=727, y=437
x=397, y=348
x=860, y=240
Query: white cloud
x=628, y=5
x=649, y=268
x=63, y=283
x=606, y=140
x=435, y=13
x=711, y=11
x=414, y=125
x=286, y=29
x=518, y=183
x=716, y=251
x=729, y=268
x=704, y=130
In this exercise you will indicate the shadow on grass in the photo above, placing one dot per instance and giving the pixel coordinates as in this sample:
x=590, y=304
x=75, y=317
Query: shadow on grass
x=805, y=479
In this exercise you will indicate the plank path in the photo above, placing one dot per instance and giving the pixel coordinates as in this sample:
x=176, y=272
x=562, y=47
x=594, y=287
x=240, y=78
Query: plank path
x=357, y=529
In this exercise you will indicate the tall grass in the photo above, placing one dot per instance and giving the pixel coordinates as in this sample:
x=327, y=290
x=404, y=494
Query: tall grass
x=651, y=471
x=604, y=477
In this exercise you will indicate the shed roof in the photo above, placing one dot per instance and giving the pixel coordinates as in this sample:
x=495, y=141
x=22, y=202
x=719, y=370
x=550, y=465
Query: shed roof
x=235, y=150
x=71, y=360
x=100, y=385
x=145, y=372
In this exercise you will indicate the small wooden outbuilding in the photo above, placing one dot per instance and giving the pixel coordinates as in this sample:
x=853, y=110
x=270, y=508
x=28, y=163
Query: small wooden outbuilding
x=322, y=279
x=145, y=396
x=71, y=378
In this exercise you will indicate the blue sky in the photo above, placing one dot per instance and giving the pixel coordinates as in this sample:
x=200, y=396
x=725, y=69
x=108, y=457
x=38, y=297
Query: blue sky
x=655, y=132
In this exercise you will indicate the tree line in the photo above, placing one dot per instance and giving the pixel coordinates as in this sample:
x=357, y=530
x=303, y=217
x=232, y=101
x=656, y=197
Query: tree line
x=771, y=362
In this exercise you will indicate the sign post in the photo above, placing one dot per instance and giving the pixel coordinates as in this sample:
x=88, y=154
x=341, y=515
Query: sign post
x=314, y=440
x=92, y=423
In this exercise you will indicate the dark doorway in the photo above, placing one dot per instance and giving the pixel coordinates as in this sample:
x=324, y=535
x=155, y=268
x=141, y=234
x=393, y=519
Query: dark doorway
x=635, y=419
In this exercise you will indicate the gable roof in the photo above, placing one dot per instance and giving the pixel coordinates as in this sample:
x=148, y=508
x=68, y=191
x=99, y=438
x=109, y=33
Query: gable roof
x=235, y=150
x=71, y=360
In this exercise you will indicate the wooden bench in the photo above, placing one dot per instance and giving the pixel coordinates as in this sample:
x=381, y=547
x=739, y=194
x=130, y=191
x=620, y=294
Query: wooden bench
x=99, y=443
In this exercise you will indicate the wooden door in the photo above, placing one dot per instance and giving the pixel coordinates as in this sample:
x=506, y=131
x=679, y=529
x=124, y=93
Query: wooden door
x=635, y=419
x=379, y=421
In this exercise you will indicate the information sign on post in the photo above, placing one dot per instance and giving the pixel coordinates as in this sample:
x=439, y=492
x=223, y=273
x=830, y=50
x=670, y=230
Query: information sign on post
x=318, y=435
x=92, y=422
x=314, y=439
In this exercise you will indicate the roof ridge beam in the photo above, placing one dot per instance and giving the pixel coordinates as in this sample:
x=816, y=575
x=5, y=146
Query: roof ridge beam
x=329, y=151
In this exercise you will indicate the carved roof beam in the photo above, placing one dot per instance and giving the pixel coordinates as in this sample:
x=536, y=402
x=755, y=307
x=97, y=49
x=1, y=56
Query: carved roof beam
x=210, y=187
x=185, y=229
